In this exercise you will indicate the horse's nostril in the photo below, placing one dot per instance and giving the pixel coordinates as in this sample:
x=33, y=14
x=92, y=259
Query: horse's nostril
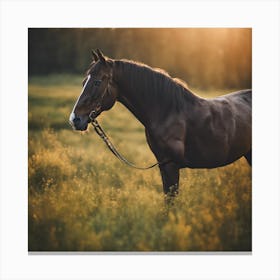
x=76, y=120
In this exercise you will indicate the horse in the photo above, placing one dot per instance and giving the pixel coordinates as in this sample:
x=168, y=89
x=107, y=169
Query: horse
x=182, y=129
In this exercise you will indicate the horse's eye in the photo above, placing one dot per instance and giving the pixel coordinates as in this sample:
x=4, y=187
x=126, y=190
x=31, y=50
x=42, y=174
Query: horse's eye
x=97, y=83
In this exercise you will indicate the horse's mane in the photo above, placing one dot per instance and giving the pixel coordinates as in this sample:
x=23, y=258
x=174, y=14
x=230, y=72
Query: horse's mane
x=155, y=83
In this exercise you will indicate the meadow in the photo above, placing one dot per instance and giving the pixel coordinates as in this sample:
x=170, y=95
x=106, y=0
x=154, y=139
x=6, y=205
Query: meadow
x=81, y=198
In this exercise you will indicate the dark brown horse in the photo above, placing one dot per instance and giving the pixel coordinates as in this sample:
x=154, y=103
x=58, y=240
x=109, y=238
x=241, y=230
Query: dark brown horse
x=182, y=129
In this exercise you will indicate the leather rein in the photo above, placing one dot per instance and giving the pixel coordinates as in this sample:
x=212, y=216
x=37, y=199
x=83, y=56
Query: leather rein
x=101, y=133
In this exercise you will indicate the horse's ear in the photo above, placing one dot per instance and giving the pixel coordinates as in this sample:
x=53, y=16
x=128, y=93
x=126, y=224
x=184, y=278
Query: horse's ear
x=100, y=55
x=94, y=55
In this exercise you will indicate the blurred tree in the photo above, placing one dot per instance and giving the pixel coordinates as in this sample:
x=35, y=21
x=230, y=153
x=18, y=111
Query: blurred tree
x=203, y=57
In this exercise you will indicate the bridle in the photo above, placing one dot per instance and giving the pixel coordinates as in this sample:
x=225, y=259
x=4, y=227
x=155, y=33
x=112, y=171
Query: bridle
x=93, y=113
x=101, y=133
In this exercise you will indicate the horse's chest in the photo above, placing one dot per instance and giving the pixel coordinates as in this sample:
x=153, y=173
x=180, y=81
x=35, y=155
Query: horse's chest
x=168, y=139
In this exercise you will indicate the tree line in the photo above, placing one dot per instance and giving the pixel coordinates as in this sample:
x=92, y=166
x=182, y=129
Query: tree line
x=203, y=57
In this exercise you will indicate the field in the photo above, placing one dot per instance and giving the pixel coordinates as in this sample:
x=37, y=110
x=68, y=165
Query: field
x=81, y=198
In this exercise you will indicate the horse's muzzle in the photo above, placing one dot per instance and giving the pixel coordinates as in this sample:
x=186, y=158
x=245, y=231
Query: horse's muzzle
x=78, y=123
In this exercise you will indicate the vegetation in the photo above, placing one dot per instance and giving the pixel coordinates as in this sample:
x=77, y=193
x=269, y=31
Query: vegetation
x=82, y=199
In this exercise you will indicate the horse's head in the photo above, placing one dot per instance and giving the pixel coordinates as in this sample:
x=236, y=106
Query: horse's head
x=98, y=94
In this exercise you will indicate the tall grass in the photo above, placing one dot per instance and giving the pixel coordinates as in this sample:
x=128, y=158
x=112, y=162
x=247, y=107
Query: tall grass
x=82, y=199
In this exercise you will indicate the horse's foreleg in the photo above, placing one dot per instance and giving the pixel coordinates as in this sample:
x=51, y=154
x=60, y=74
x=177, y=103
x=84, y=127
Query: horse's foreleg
x=170, y=178
x=169, y=170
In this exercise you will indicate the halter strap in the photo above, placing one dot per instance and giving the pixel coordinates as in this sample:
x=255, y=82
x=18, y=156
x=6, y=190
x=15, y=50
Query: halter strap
x=98, y=129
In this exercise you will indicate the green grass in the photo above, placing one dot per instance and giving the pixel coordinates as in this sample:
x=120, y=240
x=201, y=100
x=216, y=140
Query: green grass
x=83, y=199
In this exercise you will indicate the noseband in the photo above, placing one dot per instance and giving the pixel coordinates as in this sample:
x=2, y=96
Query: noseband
x=92, y=116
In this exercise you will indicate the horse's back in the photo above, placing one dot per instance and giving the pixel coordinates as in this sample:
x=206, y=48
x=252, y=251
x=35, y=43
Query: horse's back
x=244, y=96
x=221, y=131
x=239, y=104
x=239, y=122
x=241, y=97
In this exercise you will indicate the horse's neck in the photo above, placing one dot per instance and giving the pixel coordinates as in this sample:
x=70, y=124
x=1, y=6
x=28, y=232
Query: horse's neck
x=125, y=99
x=147, y=108
x=132, y=97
